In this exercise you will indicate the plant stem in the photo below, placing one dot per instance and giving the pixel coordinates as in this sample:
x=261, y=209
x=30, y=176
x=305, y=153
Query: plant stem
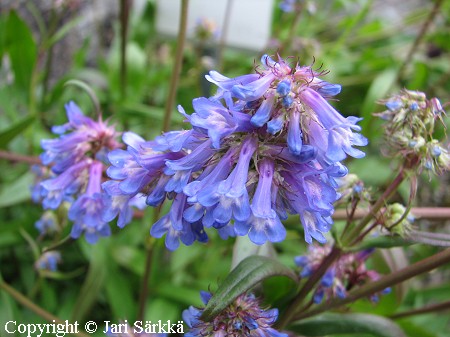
x=177, y=64
x=145, y=279
x=418, y=212
x=224, y=34
x=430, y=308
x=293, y=29
x=124, y=16
x=386, y=281
x=354, y=233
x=148, y=268
x=308, y=286
x=419, y=38
x=54, y=19
x=33, y=307
x=14, y=157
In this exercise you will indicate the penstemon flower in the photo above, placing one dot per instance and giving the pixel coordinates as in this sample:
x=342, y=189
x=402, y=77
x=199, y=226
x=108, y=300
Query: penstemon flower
x=265, y=145
x=77, y=164
x=242, y=318
x=344, y=274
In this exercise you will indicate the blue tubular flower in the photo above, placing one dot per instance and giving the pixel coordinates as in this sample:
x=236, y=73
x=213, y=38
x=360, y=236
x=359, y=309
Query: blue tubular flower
x=86, y=212
x=294, y=136
x=264, y=223
x=48, y=261
x=173, y=141
x=244, y=318
x=263, y=114
x=120, y=205
x=214, y=118
x=47, y=224
x=340, y=135
x=226, y=83
x=312, y=197
x=62, y=187
x=230, y=197
x=182, y=168
x=220, y=172
x=174, y=226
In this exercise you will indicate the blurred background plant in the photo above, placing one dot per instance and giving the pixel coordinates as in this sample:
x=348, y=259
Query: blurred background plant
x=111, y=50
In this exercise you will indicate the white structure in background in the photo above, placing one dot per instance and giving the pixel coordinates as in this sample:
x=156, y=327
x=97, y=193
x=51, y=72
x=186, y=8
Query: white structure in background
x=248, y=27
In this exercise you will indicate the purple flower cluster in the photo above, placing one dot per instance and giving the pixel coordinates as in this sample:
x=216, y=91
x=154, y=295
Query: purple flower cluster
x=267, y=144
x=77, y=163
x=347, y=272
x=242, y=318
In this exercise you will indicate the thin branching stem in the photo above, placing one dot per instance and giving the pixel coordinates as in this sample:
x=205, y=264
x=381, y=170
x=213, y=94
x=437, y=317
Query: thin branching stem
x=224, y=34
x=19, y=158
x=354, y=233
x=386, y=281
x=23, y=300
x=420, y=36
x=295, y=306
x=418, y=212
x=425, y=310
x=124, y=16
x=177, y=65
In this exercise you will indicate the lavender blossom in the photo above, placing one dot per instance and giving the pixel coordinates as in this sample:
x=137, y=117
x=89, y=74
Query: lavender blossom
x=244, y=317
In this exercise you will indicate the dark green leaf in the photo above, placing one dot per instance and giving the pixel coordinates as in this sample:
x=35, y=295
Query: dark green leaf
x=21, y=48
x=378, y=89
x=63, y=31
x=117, y=283
x=7, y=309
x=17, y=191
x=88, y=90
x=383, y=242
x=243, y=248
x=93, y=282
x=330, y=323
x=14, y=130
x=246, y=275
x=414, y=330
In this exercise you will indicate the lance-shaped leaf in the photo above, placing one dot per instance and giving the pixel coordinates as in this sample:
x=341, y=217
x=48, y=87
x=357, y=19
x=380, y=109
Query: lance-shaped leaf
x=333, y=324
x=9, y=133
x=383, y=242
x=246, y=275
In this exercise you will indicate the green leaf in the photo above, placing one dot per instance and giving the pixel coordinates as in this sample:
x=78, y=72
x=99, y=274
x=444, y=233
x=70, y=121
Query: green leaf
x=63, y=31
x=17, y=191
x=414, y=330
x=378, y=89
x=243, y=248
x=7, y=309
x=119, y=294
x=331, y=323
x=247, y=274
x=88, y=90
x=8, y=134
x=94, y=281
x=21, y=48
x=383, y=242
